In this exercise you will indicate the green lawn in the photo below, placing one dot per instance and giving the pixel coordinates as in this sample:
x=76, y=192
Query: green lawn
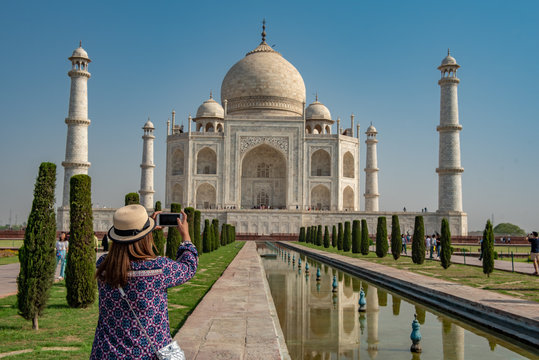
x=9, y=260
x=17, y=243
x=72, y=330
x=505, y=249
x=514, y=284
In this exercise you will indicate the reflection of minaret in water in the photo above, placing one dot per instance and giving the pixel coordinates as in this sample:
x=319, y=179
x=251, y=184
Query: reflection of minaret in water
x=372, y=321
x=452, y=341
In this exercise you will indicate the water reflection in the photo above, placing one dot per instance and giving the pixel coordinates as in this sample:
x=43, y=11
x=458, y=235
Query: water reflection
x=321, y=324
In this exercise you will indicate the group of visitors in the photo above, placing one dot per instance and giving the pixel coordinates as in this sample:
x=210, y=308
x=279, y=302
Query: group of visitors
x=433, y=244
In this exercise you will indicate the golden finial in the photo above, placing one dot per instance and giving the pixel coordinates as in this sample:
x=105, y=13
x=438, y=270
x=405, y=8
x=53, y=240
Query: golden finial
x=80, y=43
x=211, y=94
x=316, y=96
x=264, y=30
x=448, y=52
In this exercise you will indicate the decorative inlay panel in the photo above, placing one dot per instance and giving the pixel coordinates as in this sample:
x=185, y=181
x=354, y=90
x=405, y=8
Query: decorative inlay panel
x=248, y=142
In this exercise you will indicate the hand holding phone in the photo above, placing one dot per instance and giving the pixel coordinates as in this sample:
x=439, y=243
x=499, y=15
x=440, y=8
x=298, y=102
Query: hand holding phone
x=169, y=219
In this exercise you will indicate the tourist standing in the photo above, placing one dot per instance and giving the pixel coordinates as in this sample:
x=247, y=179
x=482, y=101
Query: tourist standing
x=438, y=245
x=533, y=238
x=428, y=242
x=132, y=282
x=105, y=243
x=62, y=246
x=403, y=239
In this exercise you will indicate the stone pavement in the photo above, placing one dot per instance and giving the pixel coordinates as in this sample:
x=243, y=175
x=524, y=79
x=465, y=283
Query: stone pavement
x=237, y=318
x=8, y=277
x=504, y=265
x=502, y=313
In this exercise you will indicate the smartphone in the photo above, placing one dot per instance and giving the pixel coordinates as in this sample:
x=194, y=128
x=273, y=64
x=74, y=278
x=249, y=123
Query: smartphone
x=168, y=219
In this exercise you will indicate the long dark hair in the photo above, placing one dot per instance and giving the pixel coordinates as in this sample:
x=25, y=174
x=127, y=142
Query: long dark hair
x=114, y=269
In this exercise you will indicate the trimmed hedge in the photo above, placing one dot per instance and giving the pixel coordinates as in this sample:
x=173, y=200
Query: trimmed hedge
x=80, y=268
x=347, y=240
x=396, y=240
x=326, y=237
x=445, y=243
x=356, y=237
x=364, y=237
x=488, y=251
x=418, y=241
x=381, y=237
x=132, y=198
x=37, y=254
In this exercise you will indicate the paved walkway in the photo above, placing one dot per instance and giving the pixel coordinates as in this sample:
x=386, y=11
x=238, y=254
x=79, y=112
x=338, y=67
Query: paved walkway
x=8, y=277
x=237, y=318
x=505, y=265
x=506, y=313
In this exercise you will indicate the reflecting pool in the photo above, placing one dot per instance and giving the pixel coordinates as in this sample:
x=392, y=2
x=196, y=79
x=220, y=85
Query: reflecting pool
x=319, y=323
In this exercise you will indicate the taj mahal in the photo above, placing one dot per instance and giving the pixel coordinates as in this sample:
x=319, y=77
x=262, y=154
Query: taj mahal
x=264, y=160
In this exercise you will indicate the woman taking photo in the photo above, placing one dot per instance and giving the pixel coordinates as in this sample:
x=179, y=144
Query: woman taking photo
x=133, y=282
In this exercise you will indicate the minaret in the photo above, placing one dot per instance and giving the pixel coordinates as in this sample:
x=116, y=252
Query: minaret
x=449, y=169
x=146, y=177
x=371, y=171
x=76, y=160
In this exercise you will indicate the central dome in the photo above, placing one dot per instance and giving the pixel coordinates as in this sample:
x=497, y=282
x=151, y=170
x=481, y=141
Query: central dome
x=263, y=80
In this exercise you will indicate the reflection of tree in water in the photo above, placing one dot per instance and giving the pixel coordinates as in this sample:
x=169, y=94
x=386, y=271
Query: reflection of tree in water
x=396, y=305
x=420, y=311
x=382, y=297
x=347, y=280
x=356, y=284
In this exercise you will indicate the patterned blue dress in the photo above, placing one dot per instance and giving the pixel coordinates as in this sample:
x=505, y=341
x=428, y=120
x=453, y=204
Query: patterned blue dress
x=118, y=335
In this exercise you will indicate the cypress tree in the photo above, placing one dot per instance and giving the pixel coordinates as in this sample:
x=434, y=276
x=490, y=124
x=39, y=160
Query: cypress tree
x=159, y=236
x=326, y=237
x=347, y=241
x=364, y=237
x=334, y=236
x=132, y=198
x=308, y=234
x=396, y=241
x=301, y=234
x=190, y=212
x=215, y=223
x=319, y=235
x=488, y=250
x=80, y=268
x=206, y=237
x=313, y=235
x=418, y=241
x=174, y=239
x=340, y=237
x=37, y=254
x=222, y=239
x=381, y=237
x=445, y=241
x=196, y=231
x=233, y=231
x=356, y=237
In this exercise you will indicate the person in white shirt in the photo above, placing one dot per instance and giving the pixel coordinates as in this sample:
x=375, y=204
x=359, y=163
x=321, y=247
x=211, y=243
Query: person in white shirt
x=427, y=243
x=62, y=245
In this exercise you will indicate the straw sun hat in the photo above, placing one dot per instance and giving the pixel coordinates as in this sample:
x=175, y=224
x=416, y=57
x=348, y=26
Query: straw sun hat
x=131, y=223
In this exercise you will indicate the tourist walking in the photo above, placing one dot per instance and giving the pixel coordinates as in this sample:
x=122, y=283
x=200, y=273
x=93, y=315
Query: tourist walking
x=438, y=245
x=132, y=282
x=533, y=238
x=428, y=244
x=403, y=239
x=62, y=246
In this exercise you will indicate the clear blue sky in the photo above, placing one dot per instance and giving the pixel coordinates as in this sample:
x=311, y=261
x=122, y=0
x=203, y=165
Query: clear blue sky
x=376, y=59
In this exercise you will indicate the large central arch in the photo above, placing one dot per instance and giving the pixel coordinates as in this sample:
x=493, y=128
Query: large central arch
x=263, y=178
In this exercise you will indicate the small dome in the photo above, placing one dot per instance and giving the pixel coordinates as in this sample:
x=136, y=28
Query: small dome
x=148, y=125
x=317, y=111
x=210, y=109
x=371, y=129
x=449, y=60
x=80, y=53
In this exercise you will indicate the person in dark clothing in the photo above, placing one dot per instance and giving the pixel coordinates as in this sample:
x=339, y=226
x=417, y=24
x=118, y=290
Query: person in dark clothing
x=534, y=252
x=105, y=243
